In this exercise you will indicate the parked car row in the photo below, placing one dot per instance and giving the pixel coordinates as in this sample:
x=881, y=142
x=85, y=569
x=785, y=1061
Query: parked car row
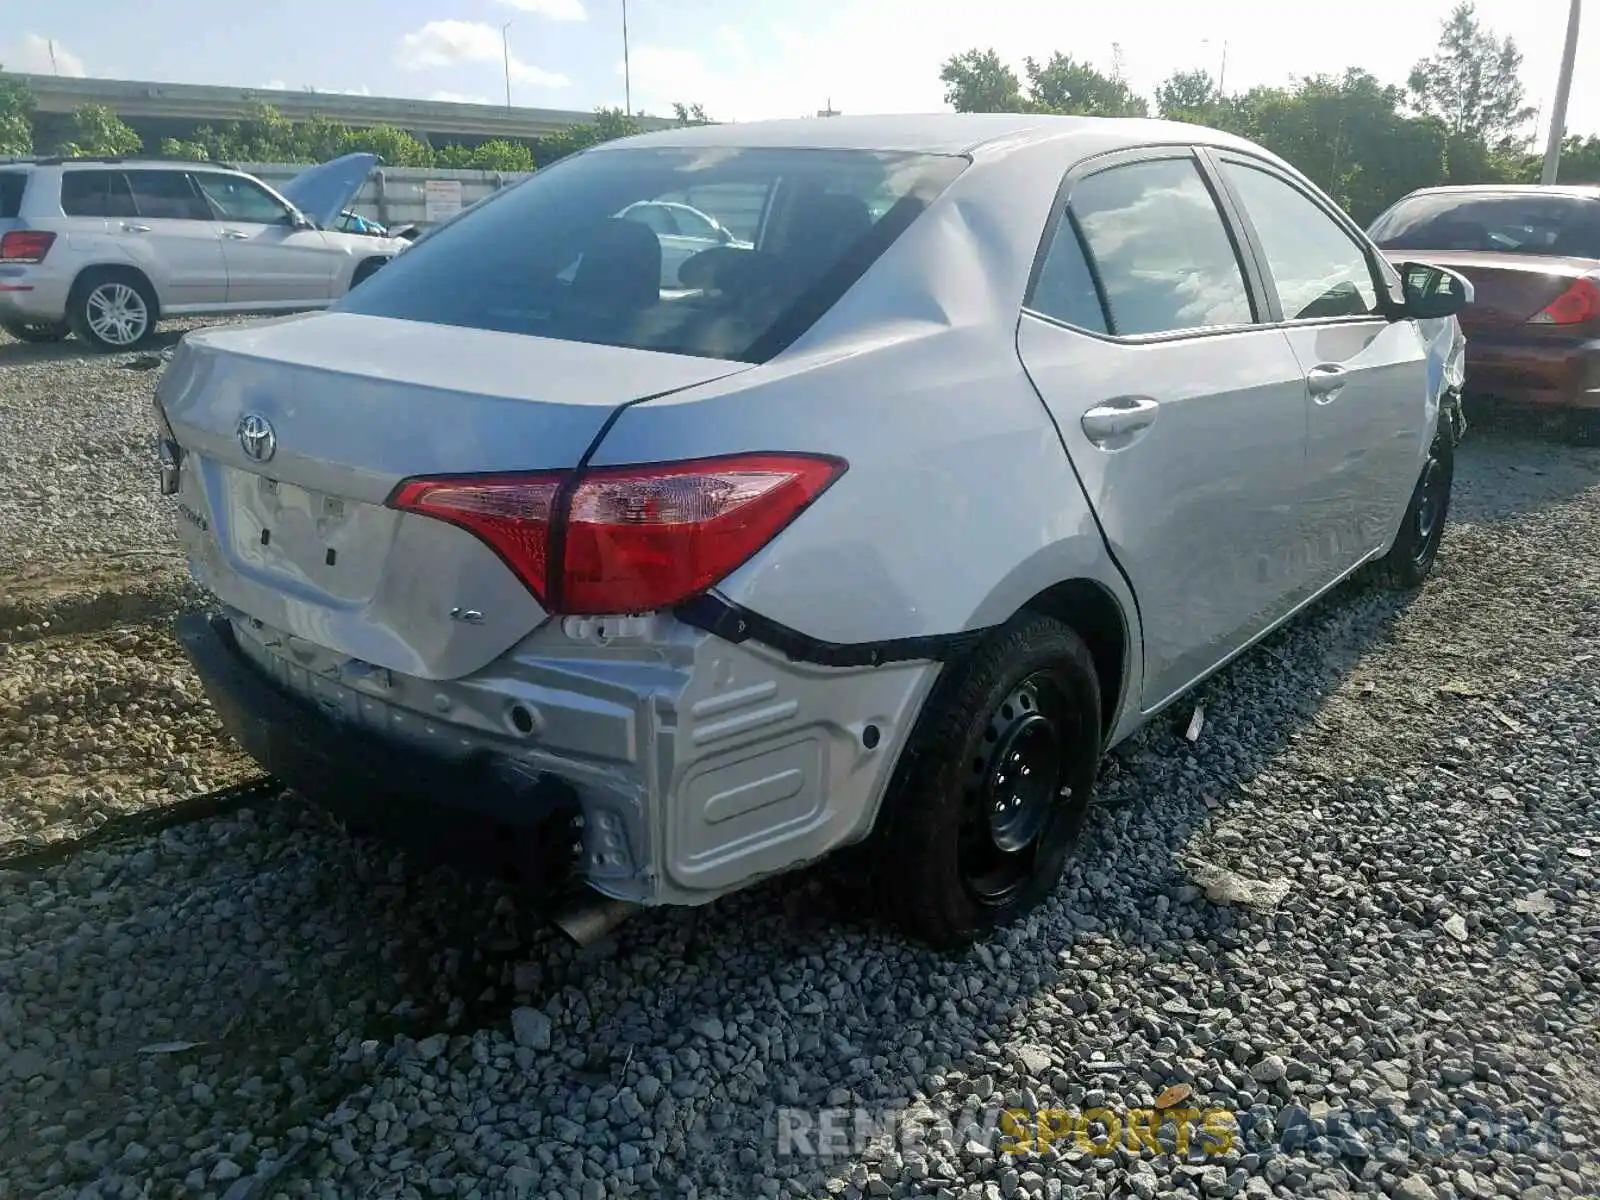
x=987, y=439
x=105, y=248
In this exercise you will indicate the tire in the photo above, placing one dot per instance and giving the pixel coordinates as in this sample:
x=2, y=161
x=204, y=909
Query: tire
x=36, y=332
x=97, y=299
x=1410, y=560
x=954, y=854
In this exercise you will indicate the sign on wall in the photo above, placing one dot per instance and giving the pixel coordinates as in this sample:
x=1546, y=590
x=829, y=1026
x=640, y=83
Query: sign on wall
x=441, y=199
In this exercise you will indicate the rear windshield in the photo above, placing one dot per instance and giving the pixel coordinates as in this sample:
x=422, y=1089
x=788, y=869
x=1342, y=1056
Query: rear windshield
x=1507, y=223
x=11, y=185
x=723, y=253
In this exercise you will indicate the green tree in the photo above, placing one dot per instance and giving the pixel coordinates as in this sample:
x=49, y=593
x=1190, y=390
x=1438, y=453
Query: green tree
x=690, y=114
x=1473, y=84
x=1347, y=133
x=99, y=131
x=16, y=116
x=498, y=154
x=1065, y=85
x=1188, y=96
x=977, y=81
x=395, y=147
x=318, y=139
x=608, y=124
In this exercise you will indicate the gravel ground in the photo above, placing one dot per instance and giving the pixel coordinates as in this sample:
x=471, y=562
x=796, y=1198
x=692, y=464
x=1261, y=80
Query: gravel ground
x=1370, y=888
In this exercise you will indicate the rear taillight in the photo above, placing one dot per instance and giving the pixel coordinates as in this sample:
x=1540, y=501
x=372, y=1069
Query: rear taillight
x=25, y=245
x=1578, y=305
x=628, y=539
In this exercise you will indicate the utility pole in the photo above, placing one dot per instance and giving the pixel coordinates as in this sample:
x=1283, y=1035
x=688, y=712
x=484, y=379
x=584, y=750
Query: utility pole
x=505, y=46
x=627, y=79
x=1558, y=108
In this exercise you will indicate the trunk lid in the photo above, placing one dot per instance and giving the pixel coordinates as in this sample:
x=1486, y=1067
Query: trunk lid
x=295, y=432
x=1509, y=288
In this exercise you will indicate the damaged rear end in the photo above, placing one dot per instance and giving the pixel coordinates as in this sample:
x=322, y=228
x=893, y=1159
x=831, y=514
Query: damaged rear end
x=428, y=590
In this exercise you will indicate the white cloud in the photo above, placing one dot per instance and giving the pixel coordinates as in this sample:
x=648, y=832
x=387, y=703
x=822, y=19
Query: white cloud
x=453, y=43
x=32, y=56
x=555, y=10
x=458, y=98
x=448, y=43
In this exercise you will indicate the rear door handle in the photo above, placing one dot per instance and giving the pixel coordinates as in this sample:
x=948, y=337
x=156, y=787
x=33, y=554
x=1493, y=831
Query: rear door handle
x=1116, y=421
x=130, y=227
x=1325, y=380
x=235, y=235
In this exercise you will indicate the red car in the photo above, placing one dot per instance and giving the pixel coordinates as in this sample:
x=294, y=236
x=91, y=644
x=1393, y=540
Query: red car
x=1533, y=256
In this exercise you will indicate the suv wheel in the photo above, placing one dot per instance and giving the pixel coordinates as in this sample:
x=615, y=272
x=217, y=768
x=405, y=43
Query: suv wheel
x=112, y=311
x=34, y=331
x=992, y=792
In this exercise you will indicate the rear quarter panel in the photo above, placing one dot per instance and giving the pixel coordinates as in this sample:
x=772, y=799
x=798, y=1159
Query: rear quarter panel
x=959, y=504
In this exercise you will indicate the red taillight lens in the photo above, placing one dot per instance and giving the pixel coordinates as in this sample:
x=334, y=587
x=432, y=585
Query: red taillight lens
x=1578, y=305
x=25, y=245
x=511, y=513
x=634, y=539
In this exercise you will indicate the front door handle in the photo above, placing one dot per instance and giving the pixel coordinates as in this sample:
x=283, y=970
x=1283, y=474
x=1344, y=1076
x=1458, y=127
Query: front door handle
x=1325, y=380
x=130, y=227
x=235, y=235
x=1112, y=425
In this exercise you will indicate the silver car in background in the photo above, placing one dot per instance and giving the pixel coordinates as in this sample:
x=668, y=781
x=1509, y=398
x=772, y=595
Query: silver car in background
x=104, y=248
x=1001, y=434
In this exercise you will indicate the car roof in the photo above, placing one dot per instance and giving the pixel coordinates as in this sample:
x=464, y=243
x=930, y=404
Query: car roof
x=1584, y=191
x=926, y=133
x=119, y=164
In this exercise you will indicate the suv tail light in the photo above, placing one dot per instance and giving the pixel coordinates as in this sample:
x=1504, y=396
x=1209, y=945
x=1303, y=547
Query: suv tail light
x=1578, y=305
x=627, y=539
x=25, y=245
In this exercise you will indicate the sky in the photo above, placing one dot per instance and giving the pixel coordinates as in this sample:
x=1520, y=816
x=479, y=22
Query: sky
x=749, y=59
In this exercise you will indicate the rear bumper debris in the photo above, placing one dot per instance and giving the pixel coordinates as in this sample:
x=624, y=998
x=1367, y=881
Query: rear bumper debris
x=321, y=757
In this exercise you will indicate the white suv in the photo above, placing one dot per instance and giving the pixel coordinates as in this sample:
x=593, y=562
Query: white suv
x=106, y=247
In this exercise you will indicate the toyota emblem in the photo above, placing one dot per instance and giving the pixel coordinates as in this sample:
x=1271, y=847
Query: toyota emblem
x=257, y=438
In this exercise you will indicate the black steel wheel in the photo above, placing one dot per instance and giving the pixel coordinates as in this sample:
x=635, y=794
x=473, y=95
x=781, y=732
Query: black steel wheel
x=992, y=791
x=1411, y=558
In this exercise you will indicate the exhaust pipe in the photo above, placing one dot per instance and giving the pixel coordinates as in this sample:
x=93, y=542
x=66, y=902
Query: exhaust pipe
x=592, y=917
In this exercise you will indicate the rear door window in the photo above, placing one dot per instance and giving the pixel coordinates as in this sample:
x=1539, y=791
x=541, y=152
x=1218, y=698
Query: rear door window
x=96, y=194
x=555, y=256
x=167, y=195
x=1160, y=247
x=11, y=185
x=1064, y=289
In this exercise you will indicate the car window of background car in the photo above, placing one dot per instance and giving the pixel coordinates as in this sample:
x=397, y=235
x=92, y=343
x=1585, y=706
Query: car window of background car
x=1567, y=226
x=238, y=199
x=1065, y=288
x=97, y=194
x=1319, y=269
x=11, y=185
x=737, y=207
x=167, y=195
x=1163, y=253
x=652, y=216
x=540, y=262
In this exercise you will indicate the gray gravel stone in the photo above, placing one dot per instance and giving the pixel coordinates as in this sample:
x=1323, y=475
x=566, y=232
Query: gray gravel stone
x=258, y=1001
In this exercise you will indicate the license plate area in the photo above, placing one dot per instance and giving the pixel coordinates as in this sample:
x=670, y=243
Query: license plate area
x=327, y=546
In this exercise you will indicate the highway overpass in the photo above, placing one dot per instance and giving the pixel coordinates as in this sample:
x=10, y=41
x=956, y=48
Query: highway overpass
x=163, y=110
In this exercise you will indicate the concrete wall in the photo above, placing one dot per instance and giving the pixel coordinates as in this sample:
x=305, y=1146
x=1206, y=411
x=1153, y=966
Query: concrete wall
x=397, y=195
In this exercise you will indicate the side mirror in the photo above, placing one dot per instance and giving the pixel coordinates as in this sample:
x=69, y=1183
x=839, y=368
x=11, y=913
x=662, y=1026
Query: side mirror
x=298, y=220
x=1433, y=292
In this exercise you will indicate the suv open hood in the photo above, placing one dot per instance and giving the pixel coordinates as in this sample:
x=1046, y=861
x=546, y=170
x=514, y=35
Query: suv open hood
x=323, y=191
